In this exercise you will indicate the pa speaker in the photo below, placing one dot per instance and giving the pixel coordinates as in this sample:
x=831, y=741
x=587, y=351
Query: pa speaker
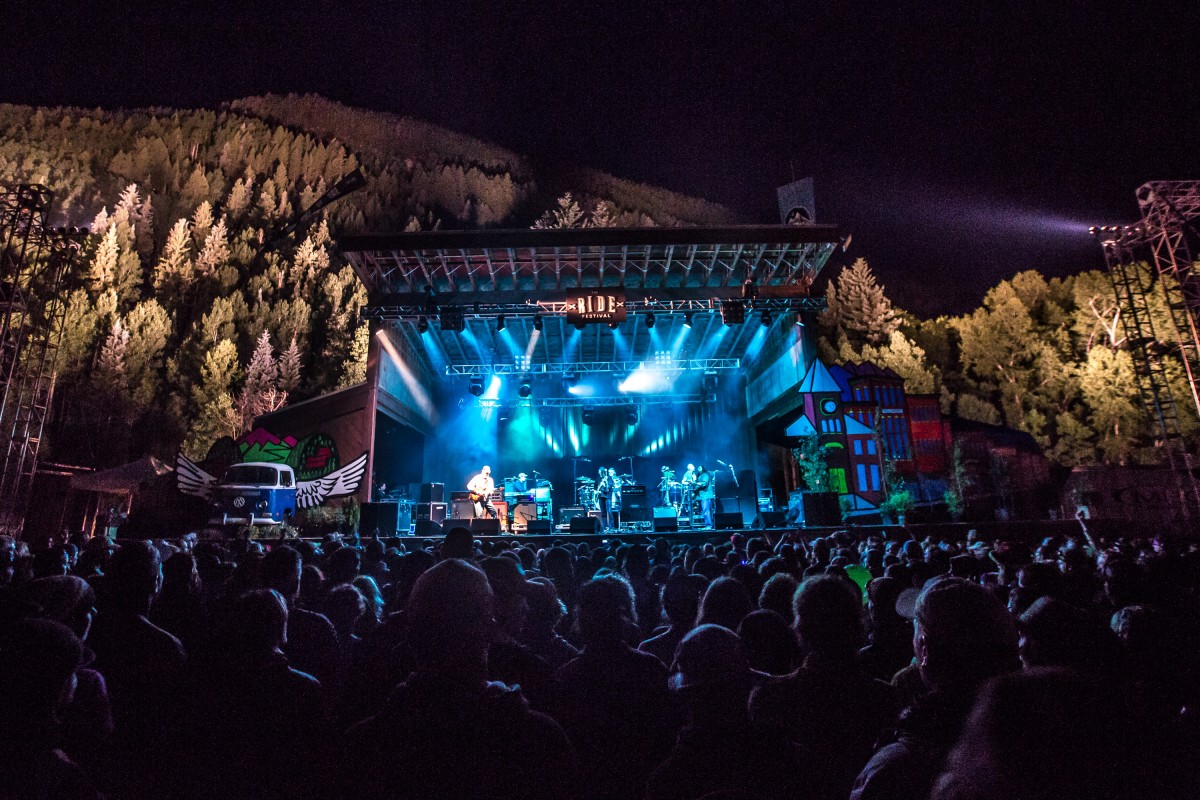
x=540, y=527
x=771, y=519
x=384, y=517
x=428, y=527
x=432, y=493
x=485, y=526
x=589, y=525
x=665, y=519
x=728, y=521
x=565, y=515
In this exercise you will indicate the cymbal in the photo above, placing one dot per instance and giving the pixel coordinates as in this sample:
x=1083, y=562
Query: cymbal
x=584, y=480
x=626, y=475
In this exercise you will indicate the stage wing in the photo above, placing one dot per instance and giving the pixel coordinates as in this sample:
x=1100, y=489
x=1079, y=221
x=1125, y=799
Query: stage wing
x=191, y=479
x=340, y=482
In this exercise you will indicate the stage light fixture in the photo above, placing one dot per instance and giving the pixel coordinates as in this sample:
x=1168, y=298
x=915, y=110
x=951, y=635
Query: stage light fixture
x=687, y=319
x=476, y=387
x=499, y=323
x=613, y=325
x=422, y=324
x=631, y=416
x=649, y=321
x=749, y=290
x=580, y=326
x=589, y=416
x=709, y=383
x=766, y=319
x=733, y=312
x=537, y=323
x=525, y=390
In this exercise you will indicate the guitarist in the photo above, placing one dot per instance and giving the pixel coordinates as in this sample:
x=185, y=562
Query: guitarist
x=481, y=488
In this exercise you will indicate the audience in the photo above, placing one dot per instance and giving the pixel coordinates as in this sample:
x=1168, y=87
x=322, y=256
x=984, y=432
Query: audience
x=404, y=668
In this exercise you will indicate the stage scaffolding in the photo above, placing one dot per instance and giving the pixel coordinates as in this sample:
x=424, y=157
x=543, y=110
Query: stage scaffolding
x=34, y=260
x=1166, y=237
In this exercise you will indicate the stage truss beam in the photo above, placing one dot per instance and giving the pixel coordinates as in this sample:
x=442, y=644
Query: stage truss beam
x=591, y=402
x=592, y=367
x=412, y=308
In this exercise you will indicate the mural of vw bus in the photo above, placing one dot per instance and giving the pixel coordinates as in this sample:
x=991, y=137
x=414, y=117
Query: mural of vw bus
x=254, y=493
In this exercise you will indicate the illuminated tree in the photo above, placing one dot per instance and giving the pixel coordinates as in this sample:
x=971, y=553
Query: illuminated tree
x=859, y=307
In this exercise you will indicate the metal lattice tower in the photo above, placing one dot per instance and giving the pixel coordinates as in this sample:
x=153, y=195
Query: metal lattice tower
x=1165, y=237
x=33, y=263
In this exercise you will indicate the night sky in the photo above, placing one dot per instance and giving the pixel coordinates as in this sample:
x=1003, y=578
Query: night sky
x=959, y=141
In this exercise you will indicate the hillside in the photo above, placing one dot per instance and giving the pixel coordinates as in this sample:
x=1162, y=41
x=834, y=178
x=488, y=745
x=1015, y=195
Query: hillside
x=181, y=325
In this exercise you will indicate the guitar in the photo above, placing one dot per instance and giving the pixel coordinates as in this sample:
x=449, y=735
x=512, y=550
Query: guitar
x=477, y=497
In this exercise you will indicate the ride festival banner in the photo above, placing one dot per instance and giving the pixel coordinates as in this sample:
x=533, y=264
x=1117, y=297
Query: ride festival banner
x=595, y=305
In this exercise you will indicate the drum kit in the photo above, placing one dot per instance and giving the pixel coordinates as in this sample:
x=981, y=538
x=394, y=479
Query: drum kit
x=585, y=490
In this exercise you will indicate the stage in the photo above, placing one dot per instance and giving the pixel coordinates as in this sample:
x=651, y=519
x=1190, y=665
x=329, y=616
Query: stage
x=562, y=354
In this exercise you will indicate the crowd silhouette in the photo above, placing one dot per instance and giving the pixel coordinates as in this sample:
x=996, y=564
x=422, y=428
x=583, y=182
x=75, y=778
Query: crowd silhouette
x=850, y=666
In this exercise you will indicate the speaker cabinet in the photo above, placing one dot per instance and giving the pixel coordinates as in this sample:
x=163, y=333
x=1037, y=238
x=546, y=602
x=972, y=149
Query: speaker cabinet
x=427, y=527
x=728, y=521
x=589, y=525
x=485, y=526
x=384, y=517
x=665, y=519
x=432, y=493
x=462, y=509
x=539, y=527
x=457, y=522
x=771, y=519
x=431, y=511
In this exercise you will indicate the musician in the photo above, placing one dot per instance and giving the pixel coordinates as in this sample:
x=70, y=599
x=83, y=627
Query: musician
x=520, y=486
x=706, y=493
x=689, y=488
x=608, y=494
x=664, y=485
x=481, y=488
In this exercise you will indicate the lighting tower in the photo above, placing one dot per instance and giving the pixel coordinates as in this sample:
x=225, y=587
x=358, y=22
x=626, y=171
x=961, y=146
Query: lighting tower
x=33, y=262
x=1167, y=236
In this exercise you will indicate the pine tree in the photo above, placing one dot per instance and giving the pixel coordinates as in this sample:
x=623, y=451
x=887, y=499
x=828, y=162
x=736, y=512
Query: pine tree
x=289, y=368
x=602, y=216
x=215, y=252
x=110, y=366
x=149, y=326
x=567, y=214
x=104, y=262
x=354, y=370
x=213, y=399
x=903, y=357
x=858, y=305
x=239, y=198
x=174, y=272
x=202, y=221
x=260, y=393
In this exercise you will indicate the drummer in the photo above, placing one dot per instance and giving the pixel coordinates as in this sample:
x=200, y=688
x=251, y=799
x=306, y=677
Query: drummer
x=664, y=485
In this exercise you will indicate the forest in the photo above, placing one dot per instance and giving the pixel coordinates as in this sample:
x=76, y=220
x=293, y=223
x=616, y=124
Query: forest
x=187, y=317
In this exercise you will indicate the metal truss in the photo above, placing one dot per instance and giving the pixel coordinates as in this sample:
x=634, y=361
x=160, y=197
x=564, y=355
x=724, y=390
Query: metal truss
x=1124, y=251
x=593, y=367
x=480, y=262
x=413, y=311
x=33, y=263
x=592, y=402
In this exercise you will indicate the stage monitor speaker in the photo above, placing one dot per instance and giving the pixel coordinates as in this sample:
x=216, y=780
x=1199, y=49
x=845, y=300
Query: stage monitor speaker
x=565, y=515
x=665, y=519
x=485, y=526
x=642, y=513
x=539, y=527
x=771, y=519
x=462, y=509
x=427, y=527
x=382, y=516
x=589, y=525
x=458, y=522
x=432, y=493
x=728, y=521
x=433, y=511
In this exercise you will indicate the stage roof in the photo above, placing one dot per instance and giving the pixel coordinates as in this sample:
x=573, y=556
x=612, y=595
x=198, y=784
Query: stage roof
x=480, y=265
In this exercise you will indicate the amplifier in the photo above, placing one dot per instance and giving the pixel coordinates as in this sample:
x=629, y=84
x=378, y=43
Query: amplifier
x=432, y=493
x=633, y=490
x=565, y=515
x=461, y=507
x=455, y=496
x=431, y=511
x=524, y=512
x=391, y=518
